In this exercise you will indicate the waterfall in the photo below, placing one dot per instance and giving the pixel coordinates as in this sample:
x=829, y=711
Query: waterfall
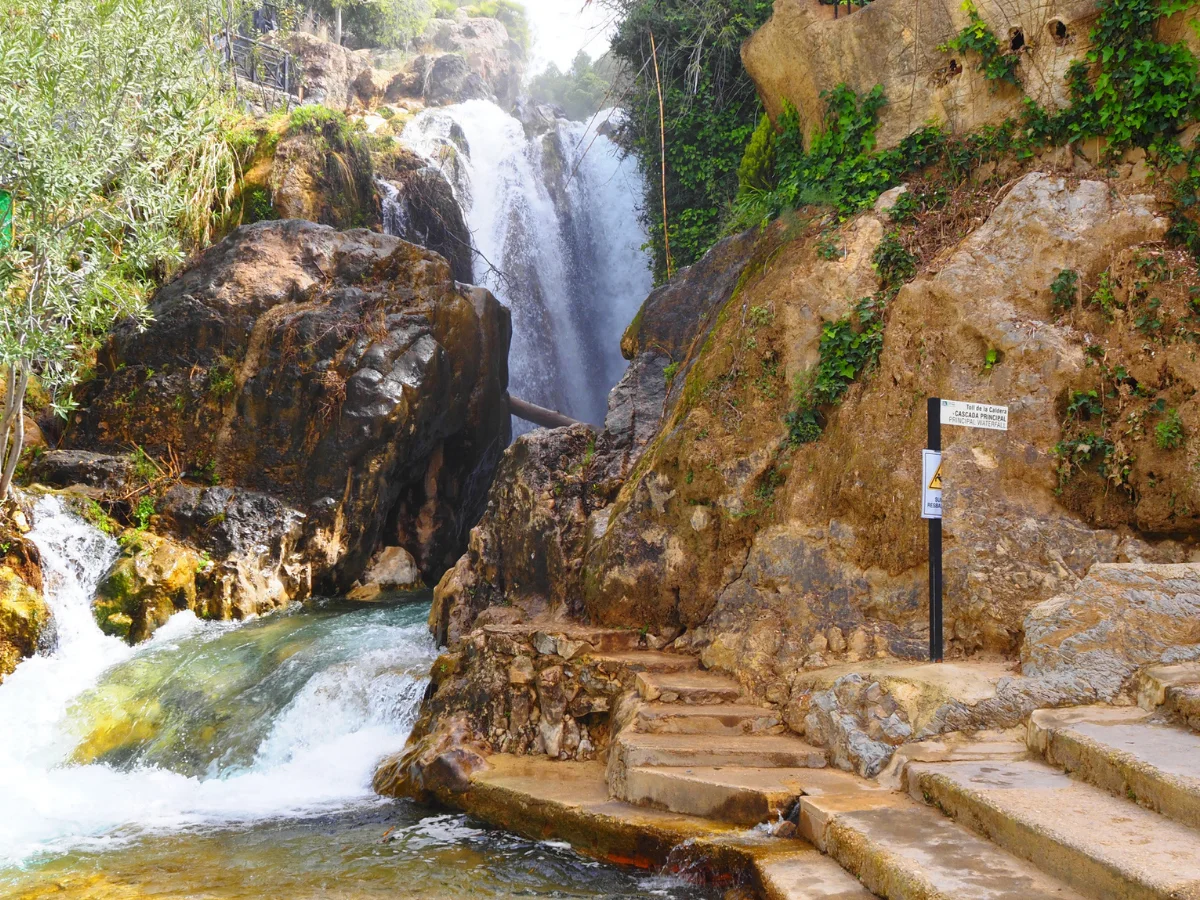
x=558, y=239
x=204, y=724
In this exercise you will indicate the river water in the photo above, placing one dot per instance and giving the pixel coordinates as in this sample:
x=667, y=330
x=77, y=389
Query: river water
x=227, y=761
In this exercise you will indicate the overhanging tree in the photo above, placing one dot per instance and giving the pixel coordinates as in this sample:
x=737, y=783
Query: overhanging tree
x=112, y=146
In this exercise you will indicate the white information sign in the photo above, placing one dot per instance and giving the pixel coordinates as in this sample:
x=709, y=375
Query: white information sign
x=931, y=484
x=974, y=415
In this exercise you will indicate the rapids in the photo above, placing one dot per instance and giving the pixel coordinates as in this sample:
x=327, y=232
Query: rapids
x=558, y=239
x=225, y=760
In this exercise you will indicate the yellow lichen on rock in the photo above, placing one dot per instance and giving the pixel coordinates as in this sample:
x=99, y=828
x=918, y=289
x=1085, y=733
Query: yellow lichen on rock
x=154, y=578
x=23, y=616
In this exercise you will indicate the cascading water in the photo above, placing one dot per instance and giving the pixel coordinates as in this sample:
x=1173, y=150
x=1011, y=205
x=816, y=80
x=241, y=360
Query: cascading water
x=234, y=761
x=558, y=239
x=204, y=724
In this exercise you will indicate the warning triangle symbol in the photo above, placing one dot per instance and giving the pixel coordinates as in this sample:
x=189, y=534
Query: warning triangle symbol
x=935, y=483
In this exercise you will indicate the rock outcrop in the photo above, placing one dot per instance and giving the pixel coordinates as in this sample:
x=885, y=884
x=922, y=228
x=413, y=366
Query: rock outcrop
x=419, y=206
x=153, y=579
x=25, y=621
x=338, y=392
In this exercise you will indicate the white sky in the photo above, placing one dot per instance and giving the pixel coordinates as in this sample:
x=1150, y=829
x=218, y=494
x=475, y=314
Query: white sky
x=562, y=27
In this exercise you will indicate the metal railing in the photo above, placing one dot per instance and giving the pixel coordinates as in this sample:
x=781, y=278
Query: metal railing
x=262, y=64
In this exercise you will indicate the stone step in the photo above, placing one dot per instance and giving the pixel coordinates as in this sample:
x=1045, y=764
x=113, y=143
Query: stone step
x=719, y=718
x=1183, y=705
x=687, y=687
x=1154, y=683
x=755, y=751
x=903, y=850
x=1100, y=845
x=646, y=661
x=741, y=795
x=1122, y=751
x=808, y=875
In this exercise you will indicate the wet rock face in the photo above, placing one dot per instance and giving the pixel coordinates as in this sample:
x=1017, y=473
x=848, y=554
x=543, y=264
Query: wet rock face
x=25, y=621
x=153, y=579
x=337, y=385
x=425, y=212
x=525, y=552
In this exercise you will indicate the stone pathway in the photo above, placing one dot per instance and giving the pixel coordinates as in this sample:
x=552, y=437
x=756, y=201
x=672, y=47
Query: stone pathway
x=1098, y=802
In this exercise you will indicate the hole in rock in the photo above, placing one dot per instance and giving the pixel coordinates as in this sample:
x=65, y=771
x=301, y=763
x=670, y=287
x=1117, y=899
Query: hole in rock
x=1016, y=39
x=1058, y=30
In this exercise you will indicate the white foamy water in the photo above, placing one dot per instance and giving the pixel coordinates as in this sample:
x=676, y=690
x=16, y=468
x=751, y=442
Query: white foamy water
x=555, y=223
x=317, y=700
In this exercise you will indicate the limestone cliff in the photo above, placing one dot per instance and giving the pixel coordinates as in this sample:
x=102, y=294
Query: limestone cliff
x=804, y=51
x=700, y=521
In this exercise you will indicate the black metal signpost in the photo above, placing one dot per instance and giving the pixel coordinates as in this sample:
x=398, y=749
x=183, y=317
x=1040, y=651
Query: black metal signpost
x=935, y=540
x=945, y=412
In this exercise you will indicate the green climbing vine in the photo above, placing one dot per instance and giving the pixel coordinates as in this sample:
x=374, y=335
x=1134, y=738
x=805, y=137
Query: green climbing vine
x=997, y=65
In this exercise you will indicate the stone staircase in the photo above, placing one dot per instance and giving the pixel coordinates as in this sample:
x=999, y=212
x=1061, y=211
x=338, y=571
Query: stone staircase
x=1099, y=802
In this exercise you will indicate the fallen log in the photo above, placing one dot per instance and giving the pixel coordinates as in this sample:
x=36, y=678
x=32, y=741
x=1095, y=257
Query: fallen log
x=539, y=415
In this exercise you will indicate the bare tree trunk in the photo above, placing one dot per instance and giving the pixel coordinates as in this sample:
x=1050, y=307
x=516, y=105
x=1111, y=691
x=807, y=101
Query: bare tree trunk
x=12, y=429
x=337, y=27
x=662, y=134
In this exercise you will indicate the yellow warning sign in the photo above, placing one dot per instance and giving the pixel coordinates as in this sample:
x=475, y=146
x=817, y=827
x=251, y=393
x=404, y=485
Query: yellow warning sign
x=935, y=483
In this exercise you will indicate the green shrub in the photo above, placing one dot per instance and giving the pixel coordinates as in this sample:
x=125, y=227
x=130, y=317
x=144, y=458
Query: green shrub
x=894, y=264
x=1168, y=434
x=757, y=169
x=1063, y=290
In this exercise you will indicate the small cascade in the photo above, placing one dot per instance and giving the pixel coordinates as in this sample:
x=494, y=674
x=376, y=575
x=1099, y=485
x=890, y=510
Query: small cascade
x=206, y=724
x=558, y=239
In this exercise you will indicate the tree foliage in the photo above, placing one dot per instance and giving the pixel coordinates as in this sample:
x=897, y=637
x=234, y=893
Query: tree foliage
x=581, y=91
x=375, y=23
x=112, y=144
x=711, y=109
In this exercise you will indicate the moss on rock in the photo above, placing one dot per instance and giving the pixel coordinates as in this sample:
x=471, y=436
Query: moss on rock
x=154, y=578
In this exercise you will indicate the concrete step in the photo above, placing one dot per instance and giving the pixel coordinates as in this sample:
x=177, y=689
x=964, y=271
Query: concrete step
x=721, y=718
x=687, y=687
x=903, y=850
x=1100, y=845
x=807, y=875
x=741, y=795
x=646, y=661
x=1122, y=751
x=754, y=751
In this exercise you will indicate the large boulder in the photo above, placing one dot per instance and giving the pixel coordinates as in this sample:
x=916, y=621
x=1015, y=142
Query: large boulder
x=335, y=76
x=487, y=49
x=526, y=551
x=340, y=388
